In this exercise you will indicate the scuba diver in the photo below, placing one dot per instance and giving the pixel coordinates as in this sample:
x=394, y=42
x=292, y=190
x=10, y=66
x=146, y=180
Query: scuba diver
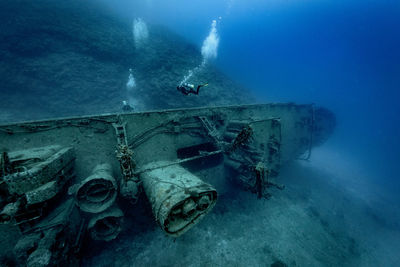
x=187, y=88
x=126, y=107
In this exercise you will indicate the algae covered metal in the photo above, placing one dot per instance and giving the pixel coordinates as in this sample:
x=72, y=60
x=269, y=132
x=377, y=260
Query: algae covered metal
x=178, y=198
x=100, y=166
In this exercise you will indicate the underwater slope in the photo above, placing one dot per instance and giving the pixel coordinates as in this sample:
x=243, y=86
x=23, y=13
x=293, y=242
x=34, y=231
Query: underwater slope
x=72, y=58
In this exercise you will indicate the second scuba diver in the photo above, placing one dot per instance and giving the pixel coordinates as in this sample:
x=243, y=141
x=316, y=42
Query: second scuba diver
x=187, y=88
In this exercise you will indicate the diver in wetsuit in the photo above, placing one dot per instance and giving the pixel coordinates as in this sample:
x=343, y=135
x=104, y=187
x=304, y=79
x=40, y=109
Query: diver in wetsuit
x=126, y=107
x=187, y=88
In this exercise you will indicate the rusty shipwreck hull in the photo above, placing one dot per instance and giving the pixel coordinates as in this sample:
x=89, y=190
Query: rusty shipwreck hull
x=181, y=159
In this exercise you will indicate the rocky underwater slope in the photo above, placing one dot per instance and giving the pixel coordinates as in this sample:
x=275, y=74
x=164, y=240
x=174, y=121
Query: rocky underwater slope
x=73, y=58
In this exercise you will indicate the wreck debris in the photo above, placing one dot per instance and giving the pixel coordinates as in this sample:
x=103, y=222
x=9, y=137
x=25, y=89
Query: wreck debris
x=9, y=211
x=39, y=175
x=252, y=158
x=98, y=191
x=54, y=241
x=5, y=166
x=251, y=141
x=262, y=182
x=124, y=156
x=210, y=128
x=106, y=225
x=242, y=138
x=179, y=199
x=35, y=167
x=96, y=197
x=261, y=177
x=129, y=185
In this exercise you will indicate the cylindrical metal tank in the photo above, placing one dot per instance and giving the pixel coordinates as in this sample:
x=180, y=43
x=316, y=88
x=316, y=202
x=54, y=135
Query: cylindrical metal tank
x=8, y=212
x=98, y=191
x=106, y=225
x=179, y=199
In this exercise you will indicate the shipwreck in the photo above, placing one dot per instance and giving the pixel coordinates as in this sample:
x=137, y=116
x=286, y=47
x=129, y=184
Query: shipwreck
x=61, y=180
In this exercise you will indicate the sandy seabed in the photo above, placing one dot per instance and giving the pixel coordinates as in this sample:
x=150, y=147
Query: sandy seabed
x=324, y=217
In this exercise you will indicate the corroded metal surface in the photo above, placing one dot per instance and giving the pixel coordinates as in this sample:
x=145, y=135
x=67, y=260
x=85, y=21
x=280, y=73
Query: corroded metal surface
x=179, y=199
x=54, y=241
x=106, y=225
x=35, y=176
x=179, y=158
x=98, y=191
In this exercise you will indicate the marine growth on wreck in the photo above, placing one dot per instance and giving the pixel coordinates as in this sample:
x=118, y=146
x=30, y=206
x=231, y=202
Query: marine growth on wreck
x=86, y=167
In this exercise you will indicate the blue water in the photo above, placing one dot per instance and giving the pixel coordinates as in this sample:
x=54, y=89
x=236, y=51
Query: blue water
x=344, y=55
